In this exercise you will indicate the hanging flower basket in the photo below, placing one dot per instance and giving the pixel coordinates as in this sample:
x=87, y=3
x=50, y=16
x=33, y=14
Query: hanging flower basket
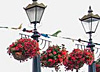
x=23, y=49
x=53, y=57
x=77, y=58
x=19, y=56
x=88, y=55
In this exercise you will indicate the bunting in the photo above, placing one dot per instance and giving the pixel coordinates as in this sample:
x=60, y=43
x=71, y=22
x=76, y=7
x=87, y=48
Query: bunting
x=14, y=28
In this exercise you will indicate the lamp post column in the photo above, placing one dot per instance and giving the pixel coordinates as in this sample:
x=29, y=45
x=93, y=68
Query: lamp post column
x=36, y=60
x=91, y=67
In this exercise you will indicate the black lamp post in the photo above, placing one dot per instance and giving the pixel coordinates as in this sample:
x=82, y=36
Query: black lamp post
x=34, y=12
x=90, y=23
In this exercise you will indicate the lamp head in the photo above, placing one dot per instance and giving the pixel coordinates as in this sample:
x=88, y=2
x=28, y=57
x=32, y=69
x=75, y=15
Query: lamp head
x=90, y=21
x=35, y=11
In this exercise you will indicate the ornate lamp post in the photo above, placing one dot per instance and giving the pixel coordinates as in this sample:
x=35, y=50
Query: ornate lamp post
x=90, y=23
x=34, y=12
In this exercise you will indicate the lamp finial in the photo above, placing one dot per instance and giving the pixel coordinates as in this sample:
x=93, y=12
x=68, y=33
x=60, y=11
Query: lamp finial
x=90, y=10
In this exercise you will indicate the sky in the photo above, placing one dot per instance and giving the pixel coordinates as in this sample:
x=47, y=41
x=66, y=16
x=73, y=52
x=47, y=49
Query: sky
x=59, y=15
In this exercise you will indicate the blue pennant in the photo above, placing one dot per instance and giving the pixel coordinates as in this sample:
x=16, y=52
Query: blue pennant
x=45, y=35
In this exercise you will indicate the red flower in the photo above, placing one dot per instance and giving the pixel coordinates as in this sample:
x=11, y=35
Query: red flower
x=63, y=52
x=73, y=58
x=48, y=51
x=16, y=48
x=60, y=59
x=19, y=45
x=50, y=60
x=59, y=56
x=53, y=61
x=45, y=56
x=78, y=62
x=54, y=52
x=50, y=54
x=70, y=62
x=12, y=45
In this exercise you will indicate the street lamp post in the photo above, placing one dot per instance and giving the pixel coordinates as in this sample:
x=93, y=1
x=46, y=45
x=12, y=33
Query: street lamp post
x=90, y=23
x=34, y=12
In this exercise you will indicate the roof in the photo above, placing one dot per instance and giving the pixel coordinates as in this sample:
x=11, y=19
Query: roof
x=34, y=4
